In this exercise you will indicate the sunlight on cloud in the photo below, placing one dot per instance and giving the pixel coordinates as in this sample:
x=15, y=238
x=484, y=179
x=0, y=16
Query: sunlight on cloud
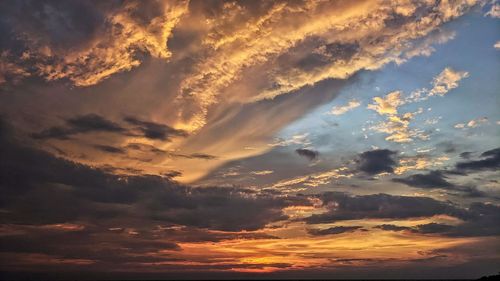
x=115, y=50
x=446, y=81
x=397, y=126
x=226, y=139
x=359, y=25
x=314, y=180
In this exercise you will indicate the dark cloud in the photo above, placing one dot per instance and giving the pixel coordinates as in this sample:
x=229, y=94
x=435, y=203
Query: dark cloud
x=307, y=153
x=490, y=161
x=38, y=188
x=194, y=234
x=196, y=156
x=93, y=122
x=80, y=124
x=437, y=179
x=376, y=161
x=116, y=247
x=342, y=207
x=109, y=220
x=59, y=24
x=392, y=227
x=480, y=219
x=333, y=230
x=96, y=123
x=153, y=130
x=434, y=179
x=433, y=227
x=172, y=174
x=110, y=246
x=466, y=155
x=110, y=149
x=146, y=148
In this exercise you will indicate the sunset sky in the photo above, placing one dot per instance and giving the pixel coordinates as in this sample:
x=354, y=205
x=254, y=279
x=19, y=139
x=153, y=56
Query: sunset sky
x=249, y=139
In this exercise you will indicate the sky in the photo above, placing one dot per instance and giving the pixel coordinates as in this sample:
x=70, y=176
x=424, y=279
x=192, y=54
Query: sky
x=249, y=139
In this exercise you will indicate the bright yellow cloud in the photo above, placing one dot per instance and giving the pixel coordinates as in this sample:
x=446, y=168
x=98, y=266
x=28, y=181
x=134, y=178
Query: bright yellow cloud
x=387, y=105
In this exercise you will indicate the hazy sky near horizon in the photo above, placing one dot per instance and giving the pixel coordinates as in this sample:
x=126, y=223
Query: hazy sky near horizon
x=191, y=139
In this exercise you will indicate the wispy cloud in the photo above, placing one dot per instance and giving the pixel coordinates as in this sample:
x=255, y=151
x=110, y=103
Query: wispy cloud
x=339, y=110
x=315, y=179
x=446, y=81
x=472, y=123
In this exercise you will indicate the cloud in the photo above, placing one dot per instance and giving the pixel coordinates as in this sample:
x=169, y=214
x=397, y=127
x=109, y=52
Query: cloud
x=339, y=110
x=490, y=161
x=39, y=188
x=437, y=179
x=341, y=207
x=156, y=131
x=479, y=220
x=315, y=179
x=429, y=228
x=335, y=41
x=441, y=84
x=150, y=150
x=333, y=230
x=225, y=57
x=494, y=12
x=425, y=46
x=447, y=80
x=110, y=149
x=262, y=173
x=9, y=70
x=307, y=153
x=392, y=227
x=376, y=161
x=433, y=227
x=87, y=44
x=141, y=221
x=497, y=45
x=472, y=123
x=200, y=156
x=434, y=179
x=396, y=126
x=387, y=105
x=78, y=125
x=295, y=139
x=119, y=248
x=418, y=162
x=466, y=155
